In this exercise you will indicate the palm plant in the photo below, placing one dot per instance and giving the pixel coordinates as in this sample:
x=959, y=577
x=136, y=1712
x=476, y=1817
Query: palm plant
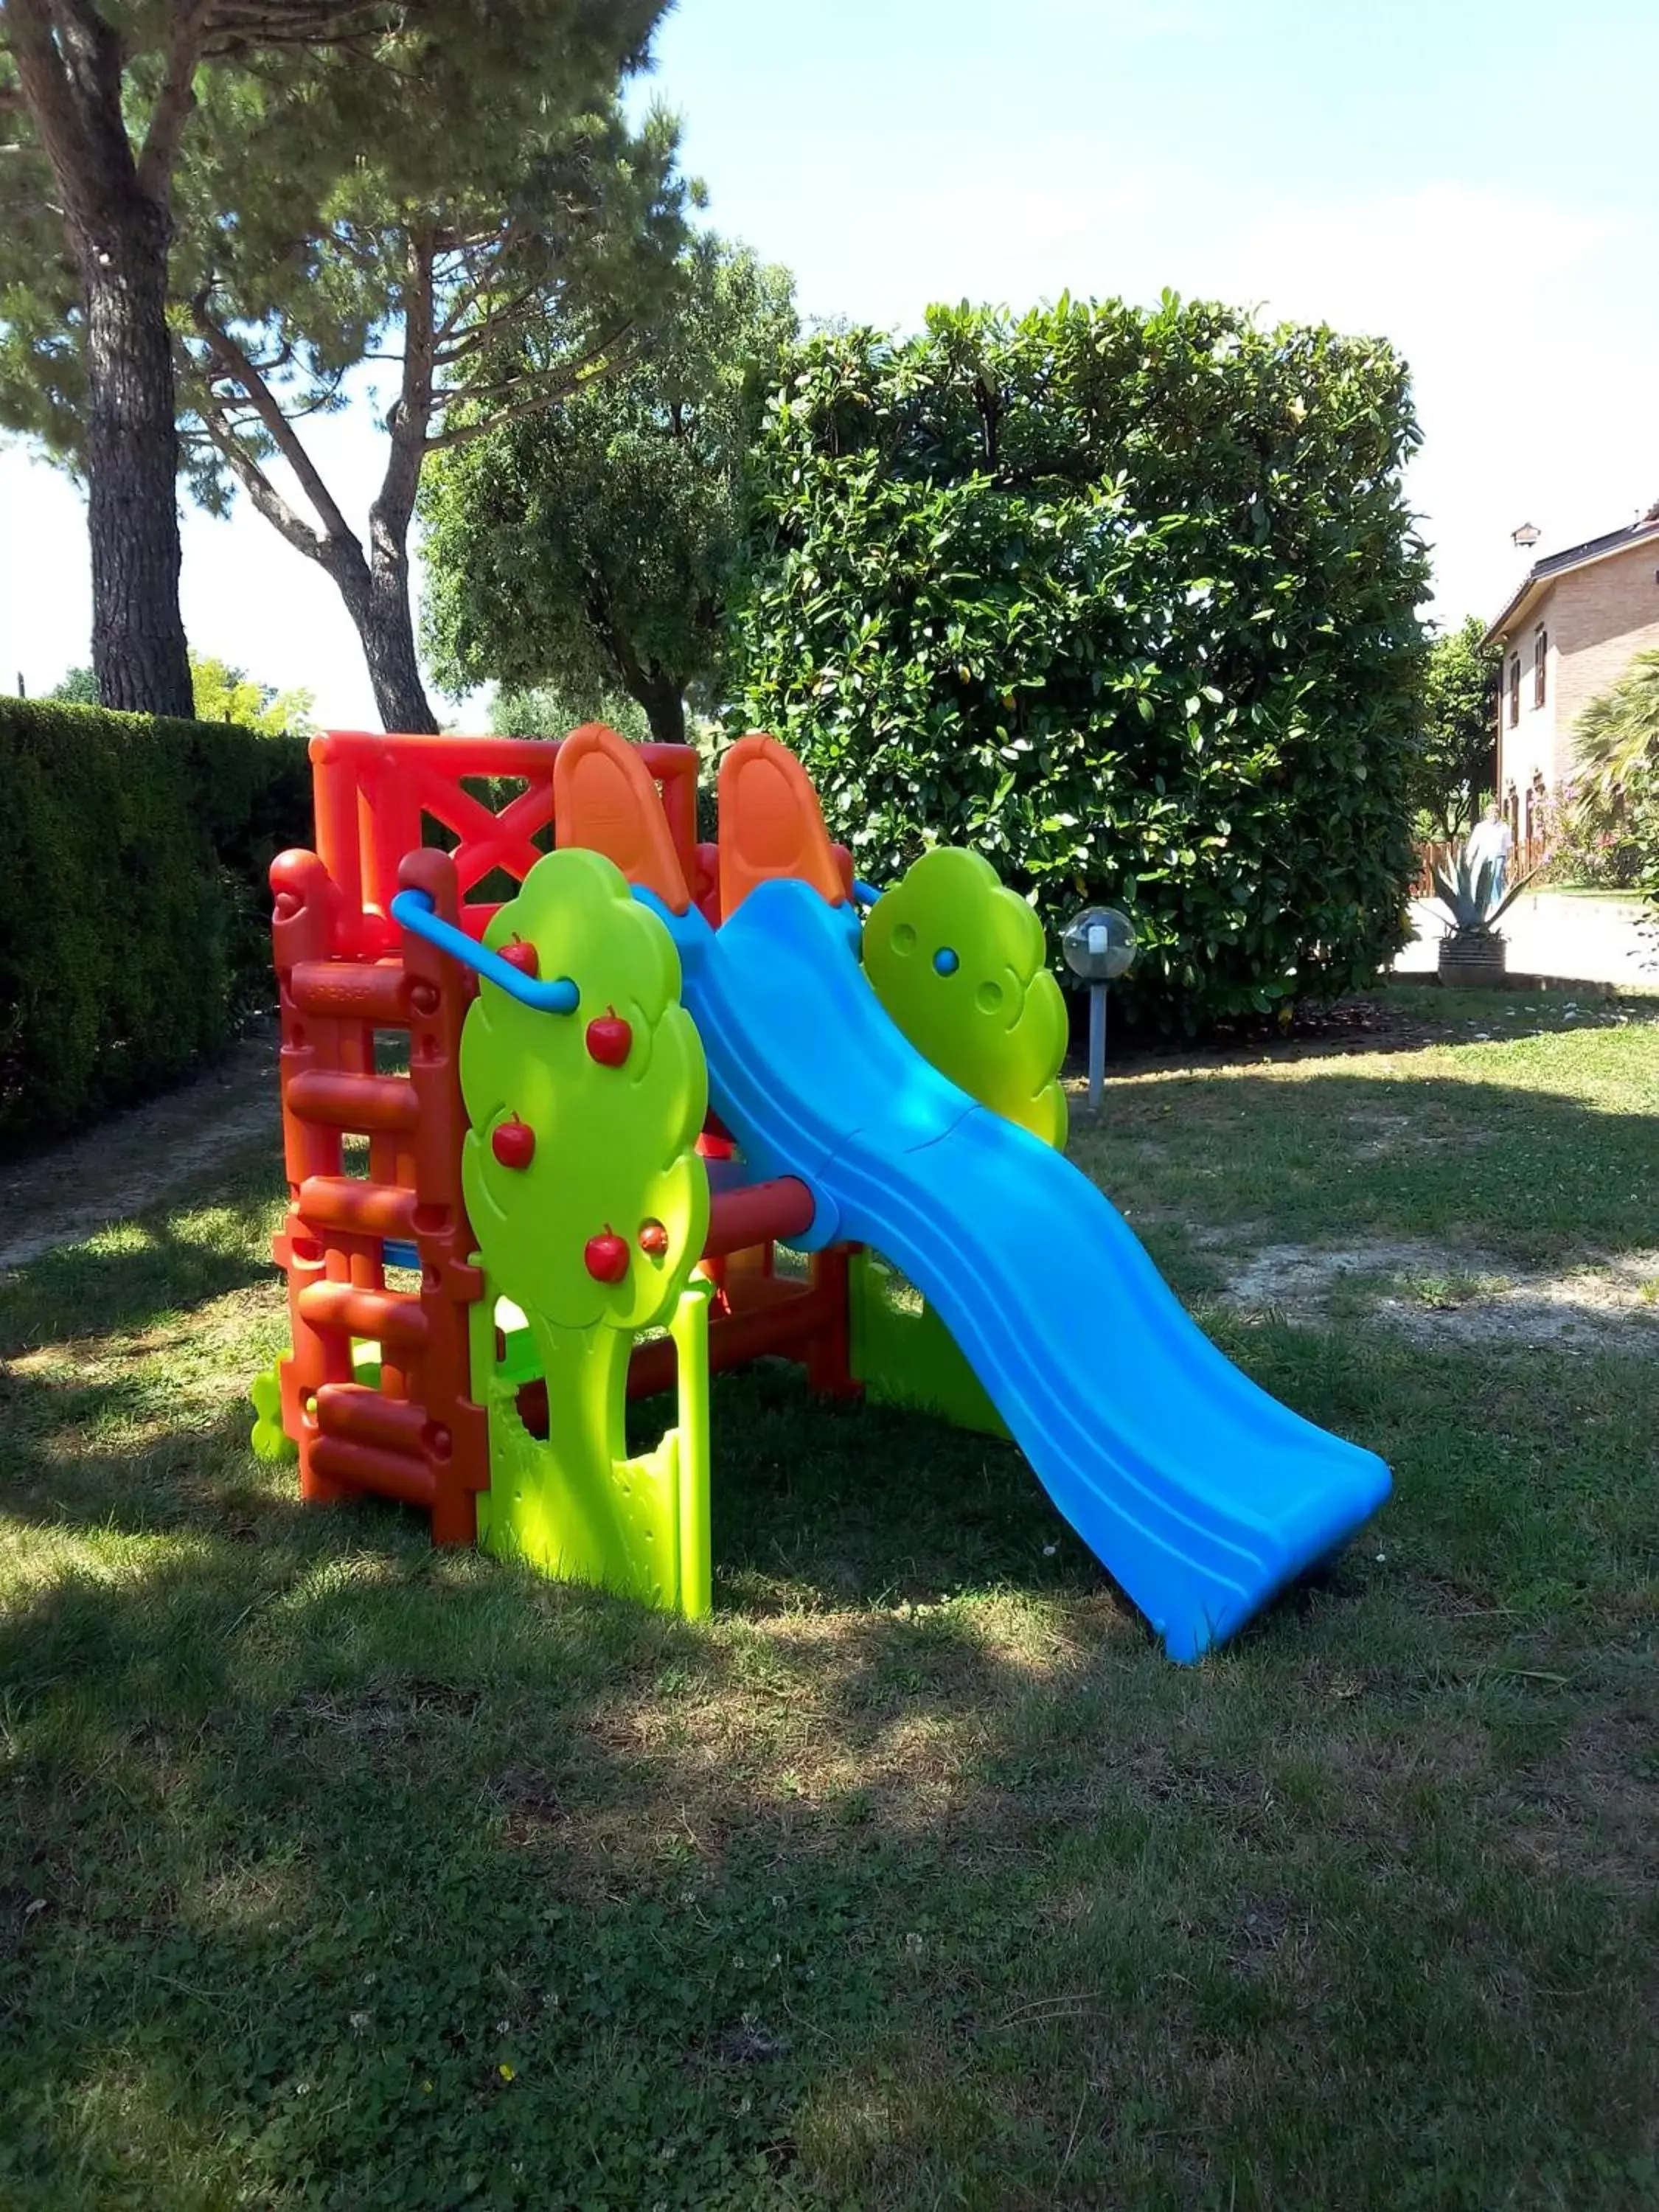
x=1617, y=738
x=1610, y=814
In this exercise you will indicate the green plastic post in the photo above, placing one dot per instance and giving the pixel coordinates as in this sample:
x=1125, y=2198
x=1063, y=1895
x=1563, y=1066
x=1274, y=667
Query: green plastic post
x=591, y=1213
x=904, y=1355
x=689, y=1330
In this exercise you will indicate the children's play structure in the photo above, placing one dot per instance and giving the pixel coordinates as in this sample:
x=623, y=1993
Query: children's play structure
x=577, y=1109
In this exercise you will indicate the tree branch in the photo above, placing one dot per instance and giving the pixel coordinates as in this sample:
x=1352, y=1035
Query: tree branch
x=472, y=285
x=458, y=346
x=234, y=366
x=411, y=413
x=88, y=168
x=264, y=494
x=176, y=100
x=536, y=403
x=233, y=25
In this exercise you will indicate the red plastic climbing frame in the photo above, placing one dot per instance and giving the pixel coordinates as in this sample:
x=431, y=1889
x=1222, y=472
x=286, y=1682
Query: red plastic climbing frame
x=374, y=1153
x=376, y=796
x=417, y=1434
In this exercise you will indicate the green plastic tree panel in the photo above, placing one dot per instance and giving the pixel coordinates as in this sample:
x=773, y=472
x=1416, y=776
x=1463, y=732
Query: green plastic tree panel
x=591, y=1207
x=575, y=1506
x=268, y=1438
x=905, y=1356
x=958, y=961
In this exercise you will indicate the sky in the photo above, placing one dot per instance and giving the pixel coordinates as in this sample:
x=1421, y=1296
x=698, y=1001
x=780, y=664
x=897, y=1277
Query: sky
x=1474, y=181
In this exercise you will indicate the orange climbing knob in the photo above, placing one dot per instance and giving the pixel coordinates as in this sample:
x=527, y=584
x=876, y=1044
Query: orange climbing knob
x=604, y=798
x=771, y=824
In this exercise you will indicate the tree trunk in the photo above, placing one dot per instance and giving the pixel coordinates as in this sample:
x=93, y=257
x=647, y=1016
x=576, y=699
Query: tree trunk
x=377, y=599
x=661, y=694
x=132, y=467
x=68, y=62
x=664, y=709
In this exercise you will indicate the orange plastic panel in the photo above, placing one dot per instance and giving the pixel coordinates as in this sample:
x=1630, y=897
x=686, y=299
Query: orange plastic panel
x=604, y=799
x=770, y=824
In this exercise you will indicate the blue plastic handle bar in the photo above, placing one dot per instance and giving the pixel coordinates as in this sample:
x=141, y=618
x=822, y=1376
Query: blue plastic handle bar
x=865, y=894
x=414, y=910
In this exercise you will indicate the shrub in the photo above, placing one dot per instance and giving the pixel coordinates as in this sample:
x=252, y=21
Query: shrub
x=133, y=912
x=1612, y=822
x=1123, y=599
x=1595, y=845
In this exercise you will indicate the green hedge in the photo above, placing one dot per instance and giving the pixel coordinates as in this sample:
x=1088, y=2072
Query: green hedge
x=1124, y=599
x=134, y=913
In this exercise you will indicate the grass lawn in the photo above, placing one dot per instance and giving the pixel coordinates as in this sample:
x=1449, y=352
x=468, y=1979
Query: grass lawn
x=336, y=1872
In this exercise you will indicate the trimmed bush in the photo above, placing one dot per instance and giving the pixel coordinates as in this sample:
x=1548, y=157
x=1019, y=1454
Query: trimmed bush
x=134, y=917
x=1123, y=599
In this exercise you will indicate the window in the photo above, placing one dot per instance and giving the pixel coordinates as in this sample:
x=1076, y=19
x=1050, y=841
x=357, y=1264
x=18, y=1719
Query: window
x=1540, y=654
x=1515, y=690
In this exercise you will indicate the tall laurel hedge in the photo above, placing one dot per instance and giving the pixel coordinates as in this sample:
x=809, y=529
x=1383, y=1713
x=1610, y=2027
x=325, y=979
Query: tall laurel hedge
x=1123, y=598
x=134, y=915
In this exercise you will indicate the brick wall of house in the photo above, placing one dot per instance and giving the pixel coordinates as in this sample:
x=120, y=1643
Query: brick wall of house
x=1596, y=619
x=1608, y=613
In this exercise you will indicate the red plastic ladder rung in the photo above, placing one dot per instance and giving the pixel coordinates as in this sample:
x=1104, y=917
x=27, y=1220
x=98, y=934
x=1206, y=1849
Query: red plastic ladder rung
x=365, y=1209
x=385, y=1318
x=377, y=1105
x=350, y=990
x=365, y=1466
x=358, y=1414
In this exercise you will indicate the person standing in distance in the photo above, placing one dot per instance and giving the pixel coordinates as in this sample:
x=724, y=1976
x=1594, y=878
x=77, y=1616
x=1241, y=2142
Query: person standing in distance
x=1491, y=839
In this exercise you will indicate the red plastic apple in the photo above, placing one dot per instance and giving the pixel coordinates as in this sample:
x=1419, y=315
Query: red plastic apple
x=605, y=1256
x=522, y=955
x=610, y=1038
x=513, y=1143
x=653, y=1239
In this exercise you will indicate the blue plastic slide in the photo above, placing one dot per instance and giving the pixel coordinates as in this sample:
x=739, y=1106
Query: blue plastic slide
x=1198, y=1493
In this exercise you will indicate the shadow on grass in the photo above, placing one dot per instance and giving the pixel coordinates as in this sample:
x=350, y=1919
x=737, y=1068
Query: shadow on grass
x=340, y=1871
x=336, y=1871
x=137, y=1272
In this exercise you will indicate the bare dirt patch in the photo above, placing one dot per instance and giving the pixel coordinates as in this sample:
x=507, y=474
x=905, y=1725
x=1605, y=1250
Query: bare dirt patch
x=1283, y=1277
x=1431, y=1292
x=134, y=1160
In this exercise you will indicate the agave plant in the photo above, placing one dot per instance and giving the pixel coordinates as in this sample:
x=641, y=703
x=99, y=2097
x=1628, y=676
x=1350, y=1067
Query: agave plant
x=1470, y=896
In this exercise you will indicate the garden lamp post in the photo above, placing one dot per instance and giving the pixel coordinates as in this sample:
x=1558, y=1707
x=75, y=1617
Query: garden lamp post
x=1099, y=945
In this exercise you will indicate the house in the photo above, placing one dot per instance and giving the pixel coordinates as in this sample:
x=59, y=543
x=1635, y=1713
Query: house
x=1566, y=635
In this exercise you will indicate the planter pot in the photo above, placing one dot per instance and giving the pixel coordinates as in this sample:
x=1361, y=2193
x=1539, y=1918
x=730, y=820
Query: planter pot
x=1476, y=961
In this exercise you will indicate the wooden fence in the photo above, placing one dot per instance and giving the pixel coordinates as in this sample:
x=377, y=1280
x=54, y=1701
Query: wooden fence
x=1528, y=853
